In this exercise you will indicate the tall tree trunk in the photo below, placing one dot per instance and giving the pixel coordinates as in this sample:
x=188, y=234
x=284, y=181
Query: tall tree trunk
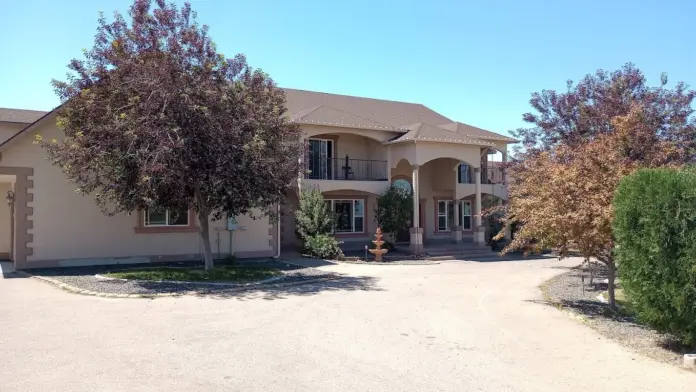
x=611, y=278
x=204, y=230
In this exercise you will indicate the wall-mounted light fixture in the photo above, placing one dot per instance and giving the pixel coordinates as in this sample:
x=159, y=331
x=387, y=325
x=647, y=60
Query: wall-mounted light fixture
x=10, y=198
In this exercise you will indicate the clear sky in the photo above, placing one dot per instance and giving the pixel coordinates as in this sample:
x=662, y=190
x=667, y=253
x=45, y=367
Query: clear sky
x=474, y=61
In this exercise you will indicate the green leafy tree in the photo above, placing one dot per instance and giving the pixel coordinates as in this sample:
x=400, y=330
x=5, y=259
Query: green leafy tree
x=394, y=210
x=155, y=117
x=655, y=230
x=313, y=216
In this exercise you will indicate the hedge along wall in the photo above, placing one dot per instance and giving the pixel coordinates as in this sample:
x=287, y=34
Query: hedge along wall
x=655, y=230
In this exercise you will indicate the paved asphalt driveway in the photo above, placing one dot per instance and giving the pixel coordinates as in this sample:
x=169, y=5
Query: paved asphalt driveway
x=457, y=326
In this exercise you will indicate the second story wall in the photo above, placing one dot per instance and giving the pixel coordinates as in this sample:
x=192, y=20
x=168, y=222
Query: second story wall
x=7, y=129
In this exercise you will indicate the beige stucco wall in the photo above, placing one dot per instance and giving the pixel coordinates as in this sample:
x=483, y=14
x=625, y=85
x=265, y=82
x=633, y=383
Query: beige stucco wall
x=7, y=130
x=5, y=219
x=67, y=225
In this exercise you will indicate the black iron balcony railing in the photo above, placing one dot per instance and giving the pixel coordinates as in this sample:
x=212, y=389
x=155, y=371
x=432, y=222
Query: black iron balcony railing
x=492, y=175
x=489, y=175
x=346, y=169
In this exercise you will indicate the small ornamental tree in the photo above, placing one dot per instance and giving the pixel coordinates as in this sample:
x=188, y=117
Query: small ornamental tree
x=562, y=198
x=394, y=210
x=580, y=144
x=314, y=222
x=655, y=229
x=313, y=216
x=155, y=117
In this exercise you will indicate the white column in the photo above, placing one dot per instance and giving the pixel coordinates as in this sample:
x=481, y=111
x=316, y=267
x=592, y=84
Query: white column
x=416, y=245
x=456, y=228
x=479, y=231
x=416, y=197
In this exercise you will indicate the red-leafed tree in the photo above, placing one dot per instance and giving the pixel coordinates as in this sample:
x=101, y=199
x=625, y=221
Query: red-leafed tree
x=155, y=117
x=581, y=144
x=586, y=110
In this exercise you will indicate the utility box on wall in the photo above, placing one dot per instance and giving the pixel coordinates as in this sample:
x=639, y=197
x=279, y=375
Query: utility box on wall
x=232, y=223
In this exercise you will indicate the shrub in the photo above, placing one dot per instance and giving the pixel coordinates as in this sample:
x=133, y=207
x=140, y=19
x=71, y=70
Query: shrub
x=313, y=217
x=394, y=210
x=322, y=246
x=655, y=231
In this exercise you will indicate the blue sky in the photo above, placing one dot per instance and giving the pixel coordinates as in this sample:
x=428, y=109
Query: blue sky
x=474, y=61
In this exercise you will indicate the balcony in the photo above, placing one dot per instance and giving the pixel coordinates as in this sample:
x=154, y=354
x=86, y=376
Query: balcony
x=493, y=181
x=492, y=175
x=489, y=175
x=346, y=169
x=339, y=174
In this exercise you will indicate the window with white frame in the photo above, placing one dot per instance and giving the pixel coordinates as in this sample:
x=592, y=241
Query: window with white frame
x=350, y=215
x=465, y=214
x=445, y=215
x=446, y=218
x=163, y=217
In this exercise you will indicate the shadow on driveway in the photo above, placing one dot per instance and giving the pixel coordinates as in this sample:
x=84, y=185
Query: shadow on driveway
x=299, y=280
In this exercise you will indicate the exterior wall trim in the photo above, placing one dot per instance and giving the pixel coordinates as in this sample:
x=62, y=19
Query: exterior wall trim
x=22, y=214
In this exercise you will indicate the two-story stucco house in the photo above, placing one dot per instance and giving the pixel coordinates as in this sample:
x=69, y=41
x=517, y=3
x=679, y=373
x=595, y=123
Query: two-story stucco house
x=355, y=148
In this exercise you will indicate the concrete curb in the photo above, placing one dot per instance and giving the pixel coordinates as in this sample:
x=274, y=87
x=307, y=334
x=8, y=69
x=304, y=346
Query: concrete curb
x=424, y=262
x=223, y=284
x=77, y=290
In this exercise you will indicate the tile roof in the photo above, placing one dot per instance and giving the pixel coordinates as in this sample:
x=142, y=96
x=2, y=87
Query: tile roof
x=20, y=115
x=471, y=131
x=432, y=133
x=390, y=113
x=326, y=115
x=310, y=107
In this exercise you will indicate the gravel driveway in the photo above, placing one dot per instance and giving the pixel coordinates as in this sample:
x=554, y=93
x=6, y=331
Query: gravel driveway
x=456, y=326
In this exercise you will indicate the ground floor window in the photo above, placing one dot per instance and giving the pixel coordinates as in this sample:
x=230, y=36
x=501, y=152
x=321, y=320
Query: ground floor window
x=446, y=218
x=350, y=215
x=163, y=217
x=465, y=214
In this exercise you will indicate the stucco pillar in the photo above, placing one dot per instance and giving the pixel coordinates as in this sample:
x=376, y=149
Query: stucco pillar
x=479, y=230
x=301, y=162
x=456, y=229
x=416, y=244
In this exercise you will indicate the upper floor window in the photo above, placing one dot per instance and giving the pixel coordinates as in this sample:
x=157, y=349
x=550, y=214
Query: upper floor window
x=464, y=175
x=163, y=217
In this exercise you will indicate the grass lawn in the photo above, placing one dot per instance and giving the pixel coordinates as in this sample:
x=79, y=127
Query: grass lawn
x=221, y=273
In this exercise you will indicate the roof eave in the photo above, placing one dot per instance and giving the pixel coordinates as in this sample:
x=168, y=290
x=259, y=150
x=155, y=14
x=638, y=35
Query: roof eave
x=354, y=126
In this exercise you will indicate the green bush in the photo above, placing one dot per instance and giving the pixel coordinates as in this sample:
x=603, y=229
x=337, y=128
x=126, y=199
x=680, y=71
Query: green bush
x=394, y=210
x=313, y=217
x=655, y=231
x=322, y=246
